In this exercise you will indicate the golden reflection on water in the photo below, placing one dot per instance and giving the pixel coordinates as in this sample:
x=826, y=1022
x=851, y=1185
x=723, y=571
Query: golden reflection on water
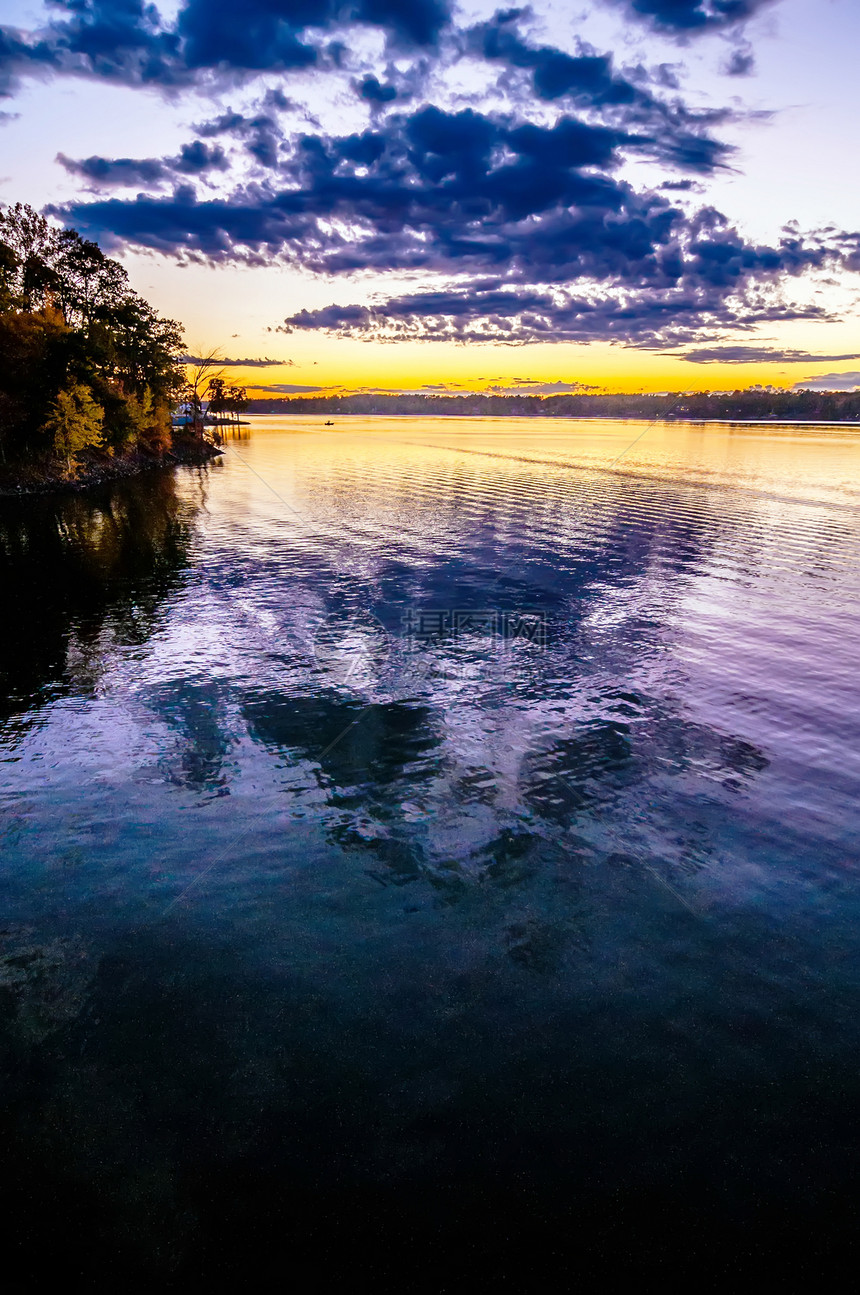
x=815, y=464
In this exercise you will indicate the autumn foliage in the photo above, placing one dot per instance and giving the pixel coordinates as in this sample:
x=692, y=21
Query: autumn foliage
x=88, y=370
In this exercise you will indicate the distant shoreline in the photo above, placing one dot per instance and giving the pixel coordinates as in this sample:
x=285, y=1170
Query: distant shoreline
x=750, y=406
x=588, y=418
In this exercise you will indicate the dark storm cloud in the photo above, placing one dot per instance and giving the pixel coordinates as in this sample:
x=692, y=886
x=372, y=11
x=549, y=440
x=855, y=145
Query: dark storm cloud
x=690, y=17
x=128, y=41
x=448, y=191
x=104, y=171
x=372, y=90
x=586, y=76
x=757, y=355
x=589, y=80
x=523, y=210
x=634, y=244
x=226, y=123
x=277, y=35
x=417, y=22
x=261, y=134
x=116, y=40
x=423, y=195
x=256, y=36
x=239, y=228
x=193, y=159
x=471, y=194
x=495, y=313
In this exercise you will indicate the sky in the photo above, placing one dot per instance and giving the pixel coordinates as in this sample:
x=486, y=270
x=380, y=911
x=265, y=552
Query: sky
x=425, y=195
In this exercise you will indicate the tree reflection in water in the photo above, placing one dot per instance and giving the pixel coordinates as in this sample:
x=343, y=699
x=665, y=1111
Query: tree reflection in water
x=82, y=571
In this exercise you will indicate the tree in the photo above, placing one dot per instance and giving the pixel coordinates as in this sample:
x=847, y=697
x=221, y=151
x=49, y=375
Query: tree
x=35, y=357
x=69, y=320
x=75, y=422
x=35, y=247
x=8, y=272
x=217, y=397
x=238, y=400
x=89, y=284
x=199, y=378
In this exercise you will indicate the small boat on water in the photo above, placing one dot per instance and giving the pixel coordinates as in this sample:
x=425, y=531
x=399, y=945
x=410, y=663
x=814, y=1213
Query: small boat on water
x=328, y=424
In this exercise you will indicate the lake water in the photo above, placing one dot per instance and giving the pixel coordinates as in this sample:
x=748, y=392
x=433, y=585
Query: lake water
x=429, y=852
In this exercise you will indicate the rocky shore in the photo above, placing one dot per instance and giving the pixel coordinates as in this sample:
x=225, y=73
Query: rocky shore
x=32, y=479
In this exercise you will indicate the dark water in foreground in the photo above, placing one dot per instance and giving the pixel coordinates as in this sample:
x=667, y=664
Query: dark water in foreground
x=429, y=858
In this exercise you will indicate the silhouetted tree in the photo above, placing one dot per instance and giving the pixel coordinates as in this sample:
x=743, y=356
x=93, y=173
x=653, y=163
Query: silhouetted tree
x=217, y=397
x=237, y=401
x=198, y=380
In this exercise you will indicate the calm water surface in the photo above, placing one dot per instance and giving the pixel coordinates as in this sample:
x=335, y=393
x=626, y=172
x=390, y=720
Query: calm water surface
x=429, y=845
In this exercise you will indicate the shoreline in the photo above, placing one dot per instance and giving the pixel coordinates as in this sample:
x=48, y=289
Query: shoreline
x=589, y=418
x=30, y=482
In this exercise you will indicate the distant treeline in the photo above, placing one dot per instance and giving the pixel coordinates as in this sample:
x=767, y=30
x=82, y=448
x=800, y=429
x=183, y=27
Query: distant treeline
x=89, y=372
x=831, y=406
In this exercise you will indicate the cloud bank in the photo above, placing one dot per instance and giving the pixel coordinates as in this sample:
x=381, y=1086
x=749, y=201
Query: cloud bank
x=757, y=355
x=691, y=17
x=849, y=381
x=512, y=205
